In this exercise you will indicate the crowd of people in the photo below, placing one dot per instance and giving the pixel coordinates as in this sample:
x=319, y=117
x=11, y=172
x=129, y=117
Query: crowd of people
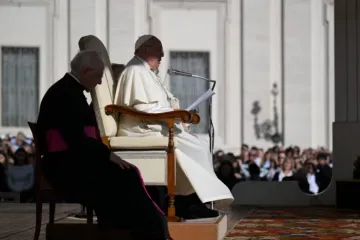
x=17, y=158
x=312, y=168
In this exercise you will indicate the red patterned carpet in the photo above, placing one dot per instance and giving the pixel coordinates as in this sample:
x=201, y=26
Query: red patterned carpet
x=297, y=223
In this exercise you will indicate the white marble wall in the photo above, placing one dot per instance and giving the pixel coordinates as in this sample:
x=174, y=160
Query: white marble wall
x=297, y=72
x=112, y=21
x=256, y=65
x=258, y=42
x=285, y=43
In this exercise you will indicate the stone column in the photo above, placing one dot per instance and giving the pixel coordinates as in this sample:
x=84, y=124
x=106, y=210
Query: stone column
x=276, y=31
x=346, y=128
x=102, y=21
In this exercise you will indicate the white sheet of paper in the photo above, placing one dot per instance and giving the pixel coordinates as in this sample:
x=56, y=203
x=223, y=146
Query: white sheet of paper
x=206, y=95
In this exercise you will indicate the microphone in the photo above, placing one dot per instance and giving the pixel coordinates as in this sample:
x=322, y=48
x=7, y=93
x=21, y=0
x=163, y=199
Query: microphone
x=173, y=72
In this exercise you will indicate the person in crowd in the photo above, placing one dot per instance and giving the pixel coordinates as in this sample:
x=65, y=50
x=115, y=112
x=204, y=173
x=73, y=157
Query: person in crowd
x=261, y=153
x=244, y=156
x=219, y=153
x=226, y=171
x=30, y=151
x=298, y=164
x=237, y=170
x=265, y=162
x=19, y=141
x=3, y=170
x=254, y=156
x=289, y=152
x=309, y=182
x=286, y=172
x=329, y=160
x=254, y=171
x=324, y=170
x=275, y=149
x=244, y=148
x=281, y=157
x=20, y=176
x=216, y=159
x=273, y=169
x=296, y=152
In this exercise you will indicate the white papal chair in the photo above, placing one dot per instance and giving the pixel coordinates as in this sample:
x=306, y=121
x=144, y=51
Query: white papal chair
x=154, y=156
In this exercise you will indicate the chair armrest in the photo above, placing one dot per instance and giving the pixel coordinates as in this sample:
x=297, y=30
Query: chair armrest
x=183, y=115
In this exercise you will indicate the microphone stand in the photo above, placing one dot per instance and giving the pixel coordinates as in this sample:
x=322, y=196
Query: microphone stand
x=211, y=130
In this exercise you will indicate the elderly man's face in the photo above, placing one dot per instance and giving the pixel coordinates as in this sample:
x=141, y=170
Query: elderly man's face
x=92, y=77
x=155, y=53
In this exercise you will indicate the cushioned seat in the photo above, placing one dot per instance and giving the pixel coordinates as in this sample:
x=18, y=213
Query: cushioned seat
x=141, y=143
x=145, y=153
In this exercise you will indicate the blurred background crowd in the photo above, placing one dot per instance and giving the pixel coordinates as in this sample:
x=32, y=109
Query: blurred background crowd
x=312, y=168
x=17, y=158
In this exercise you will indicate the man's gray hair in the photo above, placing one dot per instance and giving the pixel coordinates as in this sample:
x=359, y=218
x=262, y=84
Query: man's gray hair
x=86, y=59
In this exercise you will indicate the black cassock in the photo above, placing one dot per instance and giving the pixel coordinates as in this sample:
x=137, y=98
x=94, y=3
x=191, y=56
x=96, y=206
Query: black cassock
x=78, y=165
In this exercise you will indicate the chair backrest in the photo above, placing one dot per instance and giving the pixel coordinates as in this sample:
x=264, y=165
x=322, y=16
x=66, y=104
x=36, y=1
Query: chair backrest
x=33, y=129
x=103, y=94
x=40, y=183
x=117, y=69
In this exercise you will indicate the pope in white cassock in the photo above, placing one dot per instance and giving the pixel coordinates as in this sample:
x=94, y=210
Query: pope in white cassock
x=141, y=88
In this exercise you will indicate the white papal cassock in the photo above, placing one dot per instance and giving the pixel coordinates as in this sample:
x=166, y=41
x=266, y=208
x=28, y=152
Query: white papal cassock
x=140, y=88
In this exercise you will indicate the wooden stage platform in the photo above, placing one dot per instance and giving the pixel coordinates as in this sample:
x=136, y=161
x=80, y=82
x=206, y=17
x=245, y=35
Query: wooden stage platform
x=17, y=220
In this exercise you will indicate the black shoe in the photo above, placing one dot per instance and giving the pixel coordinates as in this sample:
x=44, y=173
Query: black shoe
x=188, y=200
x=196, y=211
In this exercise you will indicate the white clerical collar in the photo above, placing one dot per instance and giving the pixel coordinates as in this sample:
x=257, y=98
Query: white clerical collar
x=143, y=62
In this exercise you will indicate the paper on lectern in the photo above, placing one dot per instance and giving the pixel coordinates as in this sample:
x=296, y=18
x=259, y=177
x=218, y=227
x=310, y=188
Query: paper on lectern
x=206, y=95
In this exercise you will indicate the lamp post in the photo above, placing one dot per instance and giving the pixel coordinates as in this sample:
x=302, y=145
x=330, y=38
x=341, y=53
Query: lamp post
x=276, y=137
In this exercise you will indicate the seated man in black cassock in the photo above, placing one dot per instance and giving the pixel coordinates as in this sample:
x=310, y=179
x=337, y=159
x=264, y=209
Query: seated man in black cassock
x=79, y=165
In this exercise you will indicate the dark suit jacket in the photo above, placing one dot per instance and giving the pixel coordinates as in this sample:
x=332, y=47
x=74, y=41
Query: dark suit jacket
x=64, y=108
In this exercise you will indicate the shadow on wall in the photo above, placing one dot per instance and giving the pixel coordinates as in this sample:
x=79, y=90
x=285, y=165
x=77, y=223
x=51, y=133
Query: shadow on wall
x=268, y=129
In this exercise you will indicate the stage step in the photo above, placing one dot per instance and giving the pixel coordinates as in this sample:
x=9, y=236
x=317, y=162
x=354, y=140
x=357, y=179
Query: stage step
x=199, y=230
x=82, y=231
x=188, y=230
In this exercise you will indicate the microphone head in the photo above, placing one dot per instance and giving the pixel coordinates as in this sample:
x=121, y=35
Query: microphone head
x=170, y=71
